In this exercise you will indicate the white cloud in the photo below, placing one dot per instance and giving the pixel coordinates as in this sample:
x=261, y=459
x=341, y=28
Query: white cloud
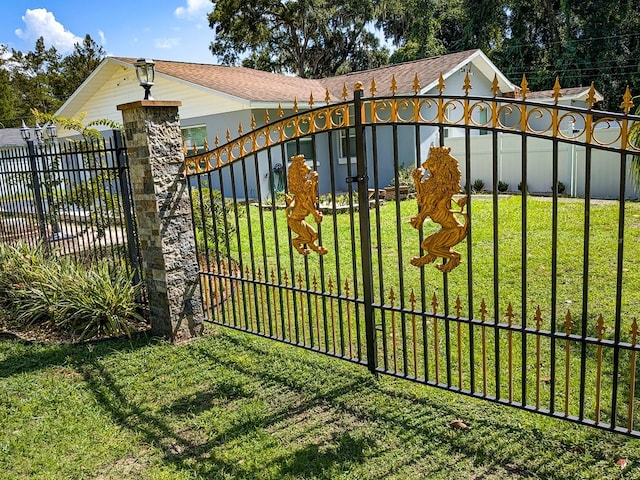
x=42, y=23
x=166, y=42
x=103, y=39
x=194, y=9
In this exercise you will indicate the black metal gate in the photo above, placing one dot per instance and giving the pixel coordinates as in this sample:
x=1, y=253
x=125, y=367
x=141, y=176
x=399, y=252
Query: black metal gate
x=348, y=250
x=73, y=197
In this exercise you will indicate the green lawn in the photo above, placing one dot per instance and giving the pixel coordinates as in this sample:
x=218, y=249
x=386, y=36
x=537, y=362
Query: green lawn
x=234, y=406
x=478, y=355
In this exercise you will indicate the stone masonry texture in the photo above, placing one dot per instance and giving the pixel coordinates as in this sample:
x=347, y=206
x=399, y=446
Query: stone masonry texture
x=161, y=201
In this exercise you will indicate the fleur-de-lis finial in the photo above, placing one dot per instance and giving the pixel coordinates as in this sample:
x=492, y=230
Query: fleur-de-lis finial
x=466, y=87
x=568, y=323
x=634, y=332
x=483, y=310
x=206, y=145
x=327, y=97
x=416, y=84
x=458, y=306
x=394, y=85
x=216, y=141
x=373, y=88
x=627, y=101
x=524, y=87
x=345, y=92
x=280, y=111
x=311, y=100
x=510, y=314
x=240, y=129
x=591, y=96
x=412, y=299
x=538, y=317
x=253, y=122
x=434, y=303
x=600, y=328
x=228, y=136
x=556, y=91
x=266, y=116
x=495, y=86
x=441, y=84
x=295, y=104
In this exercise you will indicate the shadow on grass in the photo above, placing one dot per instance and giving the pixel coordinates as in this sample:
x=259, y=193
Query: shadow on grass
x=269, y=411
x=25, y=356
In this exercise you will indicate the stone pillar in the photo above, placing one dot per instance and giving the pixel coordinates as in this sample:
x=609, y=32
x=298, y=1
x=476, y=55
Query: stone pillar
x=163, y=213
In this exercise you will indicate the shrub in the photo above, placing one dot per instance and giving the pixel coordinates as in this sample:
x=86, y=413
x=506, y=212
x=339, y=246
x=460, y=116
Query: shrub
x=478, y=185
x=503, y=186
x=561, y=188
x=64, y=295
x=405, y=178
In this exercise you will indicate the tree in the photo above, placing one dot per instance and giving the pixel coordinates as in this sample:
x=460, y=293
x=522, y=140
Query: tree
x=77, y=66
x=578, y=42
x=308, y=38
x=42, y=79
x=30, y=79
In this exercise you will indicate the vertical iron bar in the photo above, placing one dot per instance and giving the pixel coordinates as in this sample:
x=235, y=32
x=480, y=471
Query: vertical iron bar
x=125, y=191
x=467, y=146
x=36, y=190
x=523, y=367
x=496, y=267
x=365, y=234
x=554, y=272
x=618, y=326
x=585, y=287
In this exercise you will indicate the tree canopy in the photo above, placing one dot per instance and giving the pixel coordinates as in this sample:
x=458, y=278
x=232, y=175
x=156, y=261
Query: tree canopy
x=308, y=38
x=578, y=42
x=42, y=79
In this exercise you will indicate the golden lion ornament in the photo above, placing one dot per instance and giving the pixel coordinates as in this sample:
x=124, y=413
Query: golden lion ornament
x=435, y=197
x=301, y=202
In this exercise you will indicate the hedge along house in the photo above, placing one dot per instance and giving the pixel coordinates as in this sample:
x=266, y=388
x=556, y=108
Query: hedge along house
x=219, y=101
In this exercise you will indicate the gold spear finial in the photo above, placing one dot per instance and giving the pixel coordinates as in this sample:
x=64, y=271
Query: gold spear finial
x=416, y=84
x=556, y=91
x=627, y=101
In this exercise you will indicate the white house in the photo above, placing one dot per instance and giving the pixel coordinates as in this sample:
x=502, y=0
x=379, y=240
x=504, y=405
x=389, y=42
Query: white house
x=216, y=99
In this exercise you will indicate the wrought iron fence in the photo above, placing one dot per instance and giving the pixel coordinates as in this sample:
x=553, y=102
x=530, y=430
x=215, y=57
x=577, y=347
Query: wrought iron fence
x=534, y=308
x=72, y=197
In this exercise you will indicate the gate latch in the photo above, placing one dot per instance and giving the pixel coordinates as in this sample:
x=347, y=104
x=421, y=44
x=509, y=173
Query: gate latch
x=355, y=179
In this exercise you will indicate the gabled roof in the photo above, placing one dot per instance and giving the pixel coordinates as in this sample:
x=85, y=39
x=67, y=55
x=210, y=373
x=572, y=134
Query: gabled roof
x=11, y=137
x=255, y=88
x=579, y=94
x=428, y=71
x=239, y=82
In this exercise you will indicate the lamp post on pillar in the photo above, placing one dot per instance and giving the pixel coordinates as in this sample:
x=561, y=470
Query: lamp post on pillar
x=161, y=200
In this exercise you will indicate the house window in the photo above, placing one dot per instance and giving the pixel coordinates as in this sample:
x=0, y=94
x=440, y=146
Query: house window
x=347, y=146
x=194, y=136
x=302, y=146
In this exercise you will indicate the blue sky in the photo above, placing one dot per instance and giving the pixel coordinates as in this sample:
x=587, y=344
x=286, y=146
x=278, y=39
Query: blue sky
x=159, y=29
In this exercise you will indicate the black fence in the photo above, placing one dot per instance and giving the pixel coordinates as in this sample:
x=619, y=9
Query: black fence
x=72, y=197
x=535, y=307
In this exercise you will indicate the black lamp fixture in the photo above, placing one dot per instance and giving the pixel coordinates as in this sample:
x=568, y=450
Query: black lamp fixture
x=25, y=132
x=146, y=72
x=50, y=128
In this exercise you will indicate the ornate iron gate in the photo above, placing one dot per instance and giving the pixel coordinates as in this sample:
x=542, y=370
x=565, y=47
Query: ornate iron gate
x=376, y=251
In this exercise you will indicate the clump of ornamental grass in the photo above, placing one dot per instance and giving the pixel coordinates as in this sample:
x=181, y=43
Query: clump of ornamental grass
x=63, y=295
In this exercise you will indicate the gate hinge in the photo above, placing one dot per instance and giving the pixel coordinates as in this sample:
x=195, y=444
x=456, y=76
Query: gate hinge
x=357, y=178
